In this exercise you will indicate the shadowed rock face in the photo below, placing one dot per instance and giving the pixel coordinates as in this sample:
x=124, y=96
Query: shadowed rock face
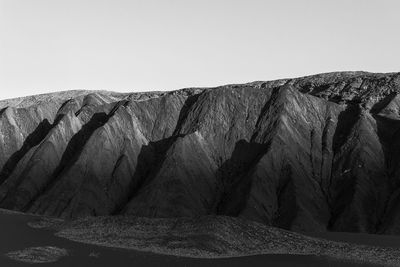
x=309, y=154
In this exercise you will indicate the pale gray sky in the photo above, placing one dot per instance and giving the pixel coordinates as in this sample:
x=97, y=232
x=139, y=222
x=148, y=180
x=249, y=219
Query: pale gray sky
x=121, y=45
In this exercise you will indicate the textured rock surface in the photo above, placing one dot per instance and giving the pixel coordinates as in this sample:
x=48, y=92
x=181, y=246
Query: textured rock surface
x=310, y=154
x=38, y=254
x=217, y=237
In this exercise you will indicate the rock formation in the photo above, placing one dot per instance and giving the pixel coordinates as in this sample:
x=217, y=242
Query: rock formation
x=315, y=153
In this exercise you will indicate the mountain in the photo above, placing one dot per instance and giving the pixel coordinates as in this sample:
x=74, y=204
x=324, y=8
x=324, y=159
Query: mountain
x=316, y=153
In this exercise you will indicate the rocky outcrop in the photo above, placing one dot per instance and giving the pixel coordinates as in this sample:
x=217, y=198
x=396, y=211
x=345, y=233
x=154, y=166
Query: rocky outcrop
x=309, y=154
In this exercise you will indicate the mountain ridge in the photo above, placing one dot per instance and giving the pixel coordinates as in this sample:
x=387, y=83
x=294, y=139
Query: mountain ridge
x=311, y=153
x=66, y=94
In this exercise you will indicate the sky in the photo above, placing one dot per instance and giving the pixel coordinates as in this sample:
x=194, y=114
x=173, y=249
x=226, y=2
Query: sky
x=144, y=45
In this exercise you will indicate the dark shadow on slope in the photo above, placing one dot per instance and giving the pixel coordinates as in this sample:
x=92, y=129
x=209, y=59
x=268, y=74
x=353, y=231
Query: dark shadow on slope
x=2, y=110
x=271, y=109
x=78, y=141
x=149, y=162
x=286, y=194
x=234, y=185
x=346, y=186
x=276, y=92
x=383, y=103
x=388, y=129
x=75, y=148
x=343, y=199
x=346, y=120
x=152, y=156
x=33, y=139
x=234, y=182
x=184, y=112
x=145, y=159
x=316, y=90
x=64, y=105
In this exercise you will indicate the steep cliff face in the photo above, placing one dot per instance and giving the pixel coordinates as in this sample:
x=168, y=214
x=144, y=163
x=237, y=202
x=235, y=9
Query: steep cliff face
x=314, y=153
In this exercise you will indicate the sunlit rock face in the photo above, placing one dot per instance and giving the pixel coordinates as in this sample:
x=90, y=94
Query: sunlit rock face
x=315, y=153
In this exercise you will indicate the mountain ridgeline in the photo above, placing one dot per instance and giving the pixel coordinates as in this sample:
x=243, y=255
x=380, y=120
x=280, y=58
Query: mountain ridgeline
x=316, y=153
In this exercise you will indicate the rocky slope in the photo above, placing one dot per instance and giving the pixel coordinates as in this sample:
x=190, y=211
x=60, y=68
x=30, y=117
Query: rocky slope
x=308, y=154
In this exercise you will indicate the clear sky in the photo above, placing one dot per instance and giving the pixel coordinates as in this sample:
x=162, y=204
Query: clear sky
x=121, y=45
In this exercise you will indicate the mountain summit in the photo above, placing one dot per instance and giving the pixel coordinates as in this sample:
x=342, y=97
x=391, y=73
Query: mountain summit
x=315, y=153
